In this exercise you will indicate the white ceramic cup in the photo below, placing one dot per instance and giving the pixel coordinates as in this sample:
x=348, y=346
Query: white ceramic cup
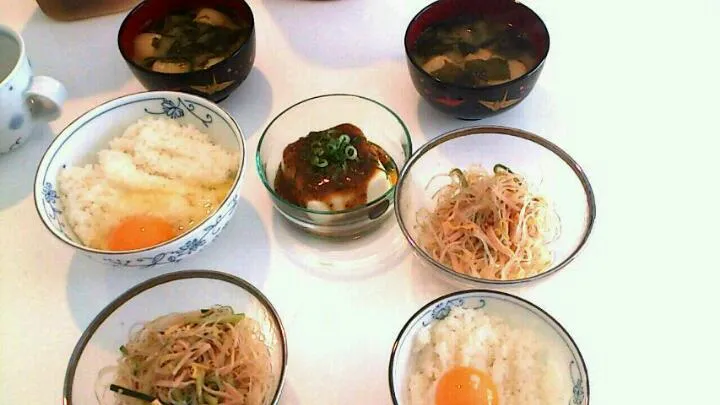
x=25, y=99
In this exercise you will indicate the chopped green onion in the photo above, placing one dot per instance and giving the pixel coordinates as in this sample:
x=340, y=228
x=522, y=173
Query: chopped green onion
x=124, y=350
x=233, y=319
x=458, y=174
x=499, y=168
x=213, y=382
x=351, y=153
x=332, y=147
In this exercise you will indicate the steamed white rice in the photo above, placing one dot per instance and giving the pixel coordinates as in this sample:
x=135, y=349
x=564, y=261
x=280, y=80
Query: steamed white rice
x=156, y=167
x=519, y=361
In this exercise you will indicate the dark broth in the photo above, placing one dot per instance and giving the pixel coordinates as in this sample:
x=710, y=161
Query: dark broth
x=190, y=40
x=474, y=52
x=304, y=179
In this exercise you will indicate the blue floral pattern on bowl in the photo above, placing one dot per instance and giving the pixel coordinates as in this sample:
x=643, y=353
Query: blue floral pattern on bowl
x=442, y=309
x=69, y=149
x=578, y=389
x=175, y=110
x=497, y=303
x=51, y=199
x=196, y=244
x=15, y=144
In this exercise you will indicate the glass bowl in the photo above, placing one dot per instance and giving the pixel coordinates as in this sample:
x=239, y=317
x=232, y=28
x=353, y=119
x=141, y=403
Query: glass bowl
x=381, y=126
x=550, y=171
x=572, y=372
x=86, y=381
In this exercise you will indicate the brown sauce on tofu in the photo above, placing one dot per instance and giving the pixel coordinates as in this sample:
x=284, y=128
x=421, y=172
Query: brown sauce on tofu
x=339, y=161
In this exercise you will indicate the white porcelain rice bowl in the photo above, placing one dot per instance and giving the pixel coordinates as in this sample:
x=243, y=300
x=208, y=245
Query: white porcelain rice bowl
x=80, y=141
x=526, y=319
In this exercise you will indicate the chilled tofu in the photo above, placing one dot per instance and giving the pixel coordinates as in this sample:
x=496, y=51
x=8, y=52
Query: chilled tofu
x=517, y=68
x=145, y=45
x=480, y=54
x=337, y=169
x=377, y=186
x=213, y=17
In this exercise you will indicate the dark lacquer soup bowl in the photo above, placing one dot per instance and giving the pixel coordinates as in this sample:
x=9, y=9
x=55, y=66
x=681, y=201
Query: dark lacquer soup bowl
x=215, y=80
x=462, y=54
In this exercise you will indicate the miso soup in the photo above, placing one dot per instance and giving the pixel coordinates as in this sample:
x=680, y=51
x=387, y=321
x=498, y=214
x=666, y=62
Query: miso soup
x=190, y=40
x=474, y=52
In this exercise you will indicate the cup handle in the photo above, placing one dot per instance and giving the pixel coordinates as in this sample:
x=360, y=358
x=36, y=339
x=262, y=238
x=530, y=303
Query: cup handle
x=45, y=98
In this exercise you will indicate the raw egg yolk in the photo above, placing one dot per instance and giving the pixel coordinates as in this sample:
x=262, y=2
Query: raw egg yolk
x=466, y=386
x=140, y=231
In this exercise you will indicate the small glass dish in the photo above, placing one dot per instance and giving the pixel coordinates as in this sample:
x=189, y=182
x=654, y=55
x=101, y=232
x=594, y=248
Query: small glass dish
x=379, y=124
x=86, y=380
x=551, y=172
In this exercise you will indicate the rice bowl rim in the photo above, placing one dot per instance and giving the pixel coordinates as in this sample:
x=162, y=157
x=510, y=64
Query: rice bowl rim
x=75, y=126
x=485, y=130
x=147, y=285
x=527, y=305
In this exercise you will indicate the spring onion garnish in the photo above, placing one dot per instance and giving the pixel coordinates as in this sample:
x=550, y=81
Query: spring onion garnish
x=500, y=168
x=319, y=162
x=458, y=174
x=331, y=149
x=350, y=152
x=343, y=139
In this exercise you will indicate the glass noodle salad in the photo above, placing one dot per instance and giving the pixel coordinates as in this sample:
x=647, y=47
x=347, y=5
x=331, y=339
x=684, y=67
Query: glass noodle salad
x=211, y=356
x=489, y=225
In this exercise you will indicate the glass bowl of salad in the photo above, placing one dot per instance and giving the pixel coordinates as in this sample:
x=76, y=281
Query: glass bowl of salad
x=220, y=338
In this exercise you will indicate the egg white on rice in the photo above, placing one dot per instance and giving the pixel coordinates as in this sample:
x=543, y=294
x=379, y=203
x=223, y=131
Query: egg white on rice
x=518, y=360
x=156, y=167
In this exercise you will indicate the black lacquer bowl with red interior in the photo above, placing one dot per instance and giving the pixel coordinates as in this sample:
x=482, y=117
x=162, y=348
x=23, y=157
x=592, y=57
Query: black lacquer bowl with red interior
x=474, y=101
x=215, y=82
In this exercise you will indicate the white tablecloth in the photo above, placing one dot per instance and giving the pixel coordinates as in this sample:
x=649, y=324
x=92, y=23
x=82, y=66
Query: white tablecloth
x=628, y=90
